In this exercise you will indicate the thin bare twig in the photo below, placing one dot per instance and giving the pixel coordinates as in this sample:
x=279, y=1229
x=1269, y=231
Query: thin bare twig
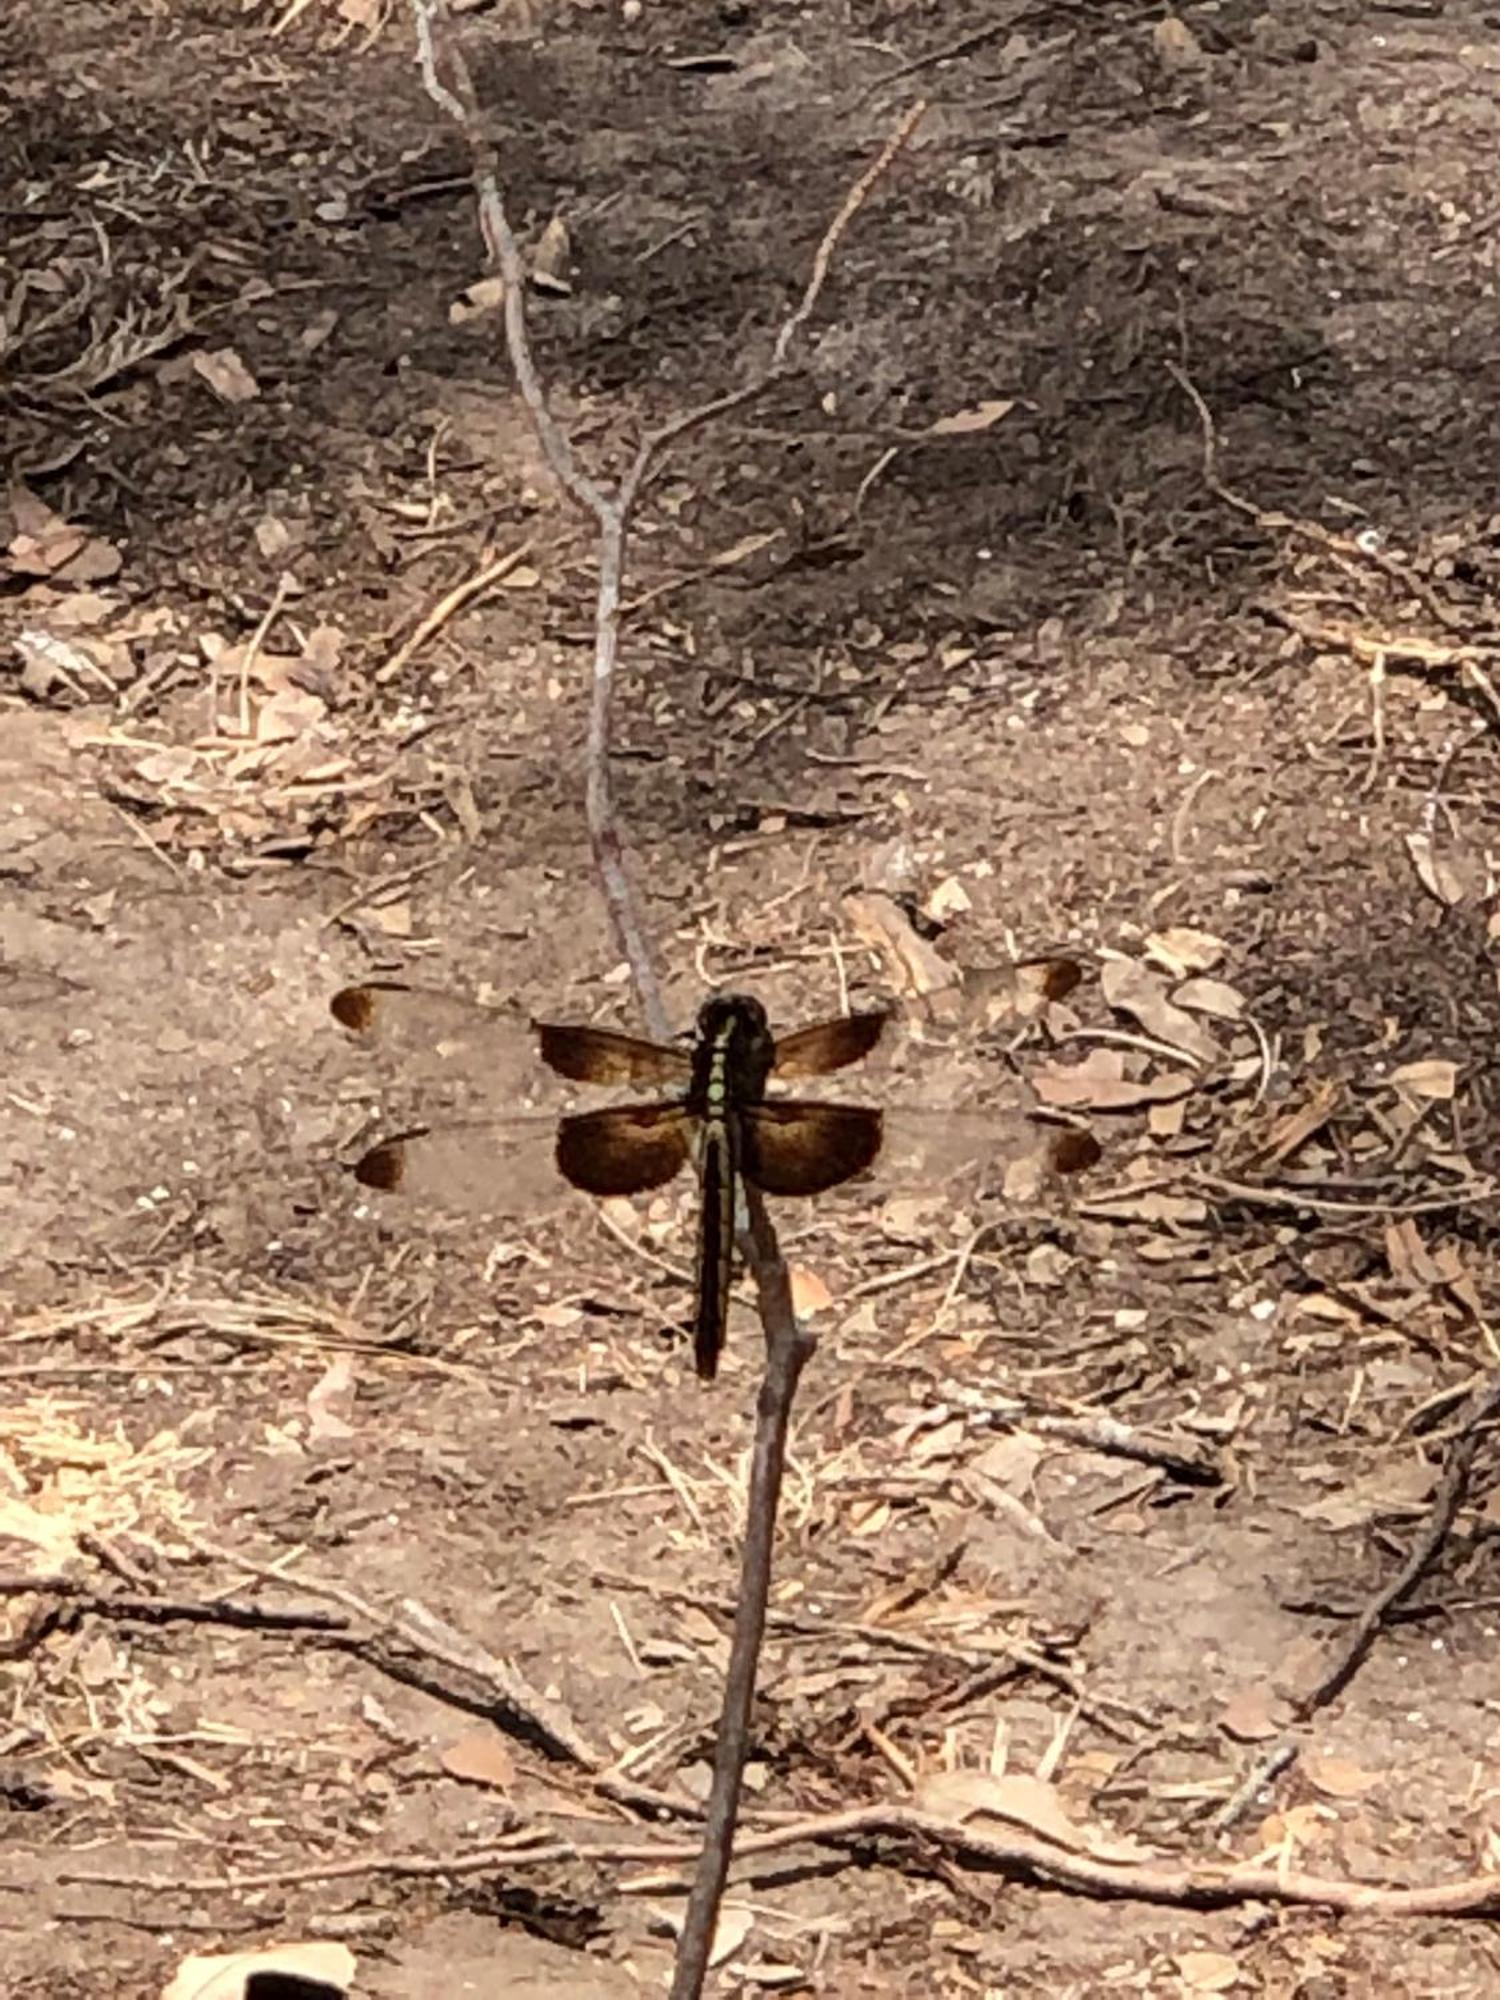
x=421, y=1650
x=448, y=606
x=789, y=1347
x=1352, y=549
x=1109, y=1435
x=1018, y=1856
x=961, y=45
x=1446, y=1502
x=1262, y=1773
x=143, y=1609
x=450, y=84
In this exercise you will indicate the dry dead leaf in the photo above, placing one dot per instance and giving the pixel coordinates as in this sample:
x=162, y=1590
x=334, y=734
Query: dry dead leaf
x=80, y=610
x=1181, y=950
x=1435, y=1079
x=330, y=1402
x=1456, y=1278
x=1099, y=1083
x=1176, y=46
x=1011, y=1462
x=1337, y=1777
x=36, y=1528
x=734, y=1925
x=1439, y=875
x=995, y=994
x=1293, y=1129
x=29, y=513
x=949, y=899
x=1297, y=1826
x=1253, y=1714
x=1022, y=1800
x=1210, y=996
x=1165, y=1121
x=49, y=663
x=272, y=536
x=485, y=295
x=43, y=541
x=1207, y=1971
x=1157, y=1206
x=915, y=966
x=224, y=372
x=942, y=1441
x=549, y=262
x=1400, y=1489
x=1019, y=1799
x=226, y=1976
x=481, y=1758
x=980, y=417
x=809, y=1293
x=390, y=919
x=96, y=562
x=1407, y=1254
x=1134, y=989
x=317, y=330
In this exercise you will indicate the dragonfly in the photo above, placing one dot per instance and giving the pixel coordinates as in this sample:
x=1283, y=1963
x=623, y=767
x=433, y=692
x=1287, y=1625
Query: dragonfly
x=719, y=1118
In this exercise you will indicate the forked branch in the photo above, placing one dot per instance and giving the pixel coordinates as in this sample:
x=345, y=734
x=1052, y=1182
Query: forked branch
x=450, y=84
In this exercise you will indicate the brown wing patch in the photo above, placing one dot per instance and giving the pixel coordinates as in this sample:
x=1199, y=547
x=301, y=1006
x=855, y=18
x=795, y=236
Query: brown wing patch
x=358, y=1008
x=1072, y=1150
x=384, y=1166
x=603, y=1055
x=624, y=1150
x=829, y=1045
x=802, y=1148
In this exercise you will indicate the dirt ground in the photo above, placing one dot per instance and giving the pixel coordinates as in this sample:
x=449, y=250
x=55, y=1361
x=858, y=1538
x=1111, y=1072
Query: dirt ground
x=1121, y=577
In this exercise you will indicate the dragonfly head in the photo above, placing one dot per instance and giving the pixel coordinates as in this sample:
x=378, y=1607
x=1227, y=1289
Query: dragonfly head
x=740, y=1011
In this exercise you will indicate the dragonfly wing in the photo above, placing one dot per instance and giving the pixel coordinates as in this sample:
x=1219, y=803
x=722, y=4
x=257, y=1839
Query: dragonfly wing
x=829, y=1045
x=927, y=1146
x=432, y=1031
x=504, y=1166
x=625, y=1149
x=791, y=1147
x=604, y=1055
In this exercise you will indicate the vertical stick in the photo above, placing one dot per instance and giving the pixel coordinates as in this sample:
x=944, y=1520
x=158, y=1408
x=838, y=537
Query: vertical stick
x=789, y=1347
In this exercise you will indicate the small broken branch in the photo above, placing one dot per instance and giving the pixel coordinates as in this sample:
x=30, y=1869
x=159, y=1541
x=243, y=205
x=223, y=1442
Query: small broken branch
x=422, y=1650
x=1424, y=1552
x=463, y=593
x=1017, y=1856
x=789, y=1347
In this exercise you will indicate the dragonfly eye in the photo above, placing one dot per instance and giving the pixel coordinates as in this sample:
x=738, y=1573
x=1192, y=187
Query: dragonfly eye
x=723, y=1009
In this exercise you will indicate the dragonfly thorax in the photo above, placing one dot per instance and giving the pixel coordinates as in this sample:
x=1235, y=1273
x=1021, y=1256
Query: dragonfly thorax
x=734, y=1053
